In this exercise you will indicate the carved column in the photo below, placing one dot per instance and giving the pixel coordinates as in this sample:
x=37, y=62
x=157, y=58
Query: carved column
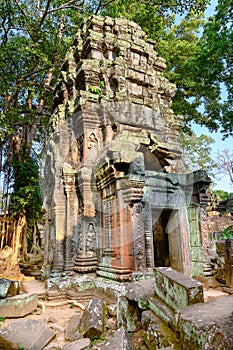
x=48, y=247
x=58, y=262
x=139, y=240
x=149, y=245
x=71, y=200
x=133, y=193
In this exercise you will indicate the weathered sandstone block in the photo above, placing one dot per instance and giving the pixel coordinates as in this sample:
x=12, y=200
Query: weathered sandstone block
x=175, y=289
x=207, y=325
x=19, y=305
x=28, y=334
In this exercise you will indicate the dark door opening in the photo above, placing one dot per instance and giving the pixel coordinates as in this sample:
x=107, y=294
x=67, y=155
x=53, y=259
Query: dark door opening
x=160, y=237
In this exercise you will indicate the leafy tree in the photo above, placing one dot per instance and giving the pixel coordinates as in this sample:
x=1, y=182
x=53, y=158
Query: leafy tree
x=214, y=69
x=223, y=195
x=34, y=37
x=197, y=151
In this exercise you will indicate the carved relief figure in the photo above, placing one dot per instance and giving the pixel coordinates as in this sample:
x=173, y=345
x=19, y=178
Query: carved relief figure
x=88, y=247
x=91, y=239
x=92, y=141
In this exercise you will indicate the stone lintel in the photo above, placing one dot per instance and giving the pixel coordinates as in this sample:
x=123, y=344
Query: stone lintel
x=175, y=289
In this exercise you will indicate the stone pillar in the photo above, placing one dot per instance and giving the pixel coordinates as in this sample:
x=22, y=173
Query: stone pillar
x=138, y=235
x=133, y=194
x=69, y=178
x=149, y=246
x=58, y=261
x=47, y=252
x=229, y=262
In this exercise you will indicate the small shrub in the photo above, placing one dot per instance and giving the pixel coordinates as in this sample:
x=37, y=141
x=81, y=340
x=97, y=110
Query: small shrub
x=227, y=232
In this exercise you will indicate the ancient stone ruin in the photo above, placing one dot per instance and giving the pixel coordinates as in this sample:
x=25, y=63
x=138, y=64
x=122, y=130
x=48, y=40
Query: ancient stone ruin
x=118, y=199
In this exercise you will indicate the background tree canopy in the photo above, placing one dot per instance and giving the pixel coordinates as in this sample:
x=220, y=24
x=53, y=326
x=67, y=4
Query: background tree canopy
x=34, y=36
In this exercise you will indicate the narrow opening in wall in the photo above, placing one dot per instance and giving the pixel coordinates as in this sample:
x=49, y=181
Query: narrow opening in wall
x=160, y=237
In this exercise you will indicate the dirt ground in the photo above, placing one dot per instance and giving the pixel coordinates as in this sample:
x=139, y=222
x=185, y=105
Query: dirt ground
x=58, y=312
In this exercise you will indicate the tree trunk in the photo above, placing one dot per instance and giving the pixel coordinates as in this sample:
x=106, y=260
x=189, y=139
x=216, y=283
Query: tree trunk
x=19, y=225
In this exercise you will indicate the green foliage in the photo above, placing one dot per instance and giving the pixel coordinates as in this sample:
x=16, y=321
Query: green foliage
x=214, y=66
x=34, y=38
x=94, y=90
x=26, y=197
x=227, y=232
x=101, y=84
x=2, y=318
x=197, y=152
x=223, y=195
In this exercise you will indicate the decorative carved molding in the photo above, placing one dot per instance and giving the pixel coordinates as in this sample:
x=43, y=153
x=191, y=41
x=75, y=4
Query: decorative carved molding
x=139, y=239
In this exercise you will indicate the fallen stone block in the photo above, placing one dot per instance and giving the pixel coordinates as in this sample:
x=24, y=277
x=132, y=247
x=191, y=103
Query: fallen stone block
x=157, y=335
x=28, y=334
x=80, y=344
x=121, y=340
x=130, y=306
x=8, y=288
x=175, y=289
x=18, y=305
x=128, y=314
x=71, y=331
x=92, y=320
x=140, y=290
x=207, y=325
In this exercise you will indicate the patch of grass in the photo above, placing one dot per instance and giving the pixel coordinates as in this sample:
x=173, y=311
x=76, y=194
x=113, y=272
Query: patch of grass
x=2, y=318
x=97, y=340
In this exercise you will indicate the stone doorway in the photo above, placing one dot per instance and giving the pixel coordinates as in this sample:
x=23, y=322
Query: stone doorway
x=171, y=239
x=160, y=238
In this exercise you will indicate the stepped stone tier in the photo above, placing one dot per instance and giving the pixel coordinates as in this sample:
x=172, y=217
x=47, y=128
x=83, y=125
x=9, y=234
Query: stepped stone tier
x=117, y=196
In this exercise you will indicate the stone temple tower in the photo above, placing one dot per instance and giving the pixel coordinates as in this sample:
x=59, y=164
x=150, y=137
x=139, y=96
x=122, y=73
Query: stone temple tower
x=117, y=198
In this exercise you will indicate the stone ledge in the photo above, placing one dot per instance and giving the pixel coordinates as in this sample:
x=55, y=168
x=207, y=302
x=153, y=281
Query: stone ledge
x=175, y=289
x=207, y=325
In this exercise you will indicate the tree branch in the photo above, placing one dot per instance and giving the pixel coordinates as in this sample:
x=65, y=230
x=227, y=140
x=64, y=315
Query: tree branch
x=45, y=13
x=21, y=9
x=102, y=4
x=67, y=5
